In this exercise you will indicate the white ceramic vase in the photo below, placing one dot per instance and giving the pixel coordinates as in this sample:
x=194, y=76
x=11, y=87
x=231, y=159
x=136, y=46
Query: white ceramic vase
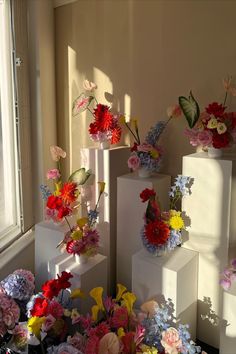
x=214, y=153
x=81, y=259
x=104, y=145
x=144, y=173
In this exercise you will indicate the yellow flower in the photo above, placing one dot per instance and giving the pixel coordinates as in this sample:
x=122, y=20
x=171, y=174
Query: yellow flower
x=95, y=309
x=101, y=186
x=34, y=325
x=176, y=222
x=77, y=293
x=154, y=153
x=221, y=128
x=120, y=291
x=129, y=300
x=82, y=222
x=145, y=349
x=77, y=235
x=212, y=123
x=121, y=332
x=58, y=186
x=122, y=120
x=96, y=294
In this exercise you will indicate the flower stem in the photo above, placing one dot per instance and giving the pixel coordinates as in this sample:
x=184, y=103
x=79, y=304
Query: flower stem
x=42, y=347
x=90, y=111
x=226, y=94
x=135, y=137
x=68, y=224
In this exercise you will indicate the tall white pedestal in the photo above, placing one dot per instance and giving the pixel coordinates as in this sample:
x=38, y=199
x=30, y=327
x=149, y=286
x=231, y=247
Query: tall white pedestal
x=47, y=237
x=130, y=213
x=173, y=276
x=85, y=276
x=107, y=165
x=212, y=209
x=228, y=325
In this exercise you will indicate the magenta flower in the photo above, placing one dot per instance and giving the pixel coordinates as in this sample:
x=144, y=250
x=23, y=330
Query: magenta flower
x=53, y=174
x=225, y=283
x=120, y=318
x=205, y=138
x=144, y=147
x=48, y=324
x=192, y=134
x=55, y=309
x=134, y=162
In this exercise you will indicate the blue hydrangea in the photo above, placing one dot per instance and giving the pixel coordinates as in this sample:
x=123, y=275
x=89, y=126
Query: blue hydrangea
x=189, y=346
x=92, y=217
x=174, y=240
x=45, y=191
x=17, y=287
x=147, y=162
x=155, y=133
x=181, y=185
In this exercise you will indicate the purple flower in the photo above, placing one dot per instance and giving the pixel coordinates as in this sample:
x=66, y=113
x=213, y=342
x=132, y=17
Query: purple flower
x=225, y=283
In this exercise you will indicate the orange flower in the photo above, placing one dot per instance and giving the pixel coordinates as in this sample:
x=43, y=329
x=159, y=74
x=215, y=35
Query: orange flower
x=68, y=192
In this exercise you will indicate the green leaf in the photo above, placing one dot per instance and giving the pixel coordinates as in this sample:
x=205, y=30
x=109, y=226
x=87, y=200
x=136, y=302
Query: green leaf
x=190, y=109
x=80, y=176
x=81, y=103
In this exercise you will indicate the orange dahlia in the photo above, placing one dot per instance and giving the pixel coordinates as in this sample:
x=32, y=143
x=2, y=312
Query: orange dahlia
x=68, y=192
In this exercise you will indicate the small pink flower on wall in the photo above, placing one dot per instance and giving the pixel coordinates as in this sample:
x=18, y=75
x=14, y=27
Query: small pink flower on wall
x=134, y=162
x=53, y=174
x=174, y=111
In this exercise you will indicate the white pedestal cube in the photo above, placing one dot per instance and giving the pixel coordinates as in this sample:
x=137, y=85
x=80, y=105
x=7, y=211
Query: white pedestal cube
x=107, y=165
x=228, y=325
x=86, y=276
x=47, y=237
x=211, y=208
x=173, y=276
x=130, y=213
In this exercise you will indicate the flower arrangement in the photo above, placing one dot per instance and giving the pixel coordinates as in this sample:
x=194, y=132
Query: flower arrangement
x=214, y=127
x=62, y=201
x=106, y=123
x=162, y=230
x=148, y=154
x=83, y=238
x=113, y=326
x=228, y=276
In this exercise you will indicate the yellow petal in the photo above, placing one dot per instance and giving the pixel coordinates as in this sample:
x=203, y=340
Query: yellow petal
x=101, y=186
x=76, y=293
x=120, y=291
x=58, y=186
x=95, y=309
x=121, y=332
x=82, y=222
x=122, y=120
x=34, y=325
x=77, y=235
x=129, y=300
x=96, y=294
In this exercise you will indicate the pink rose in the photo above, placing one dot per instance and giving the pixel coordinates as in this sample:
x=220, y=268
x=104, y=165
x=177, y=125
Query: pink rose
x=171, y=341
x=55, y=309
x=144, y=147
x=57, y=153
x=134, y=162
x=53, y=174
x=48, y=324
x=174, y=111
x=150, y=307
x=205, y=138
x=192, y=134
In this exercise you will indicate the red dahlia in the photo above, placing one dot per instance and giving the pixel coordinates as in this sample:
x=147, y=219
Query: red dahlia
x=93, y=129
x=40, y=307
x=220, y=140
x=157, y=232
x=146, y=194
x=51, y=288
x=216, y=109
x=68, y=192
x=54, y=202
x=63, y=211
x=63, y=280
x=116, y=134
x=103, y=117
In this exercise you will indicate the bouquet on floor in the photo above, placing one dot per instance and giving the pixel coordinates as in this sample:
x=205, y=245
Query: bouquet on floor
x=105, y=127
x=62, y=200
x=228, y=276
x=162, y=230
x=213, y=127
x=83, y=238
x=147, y=155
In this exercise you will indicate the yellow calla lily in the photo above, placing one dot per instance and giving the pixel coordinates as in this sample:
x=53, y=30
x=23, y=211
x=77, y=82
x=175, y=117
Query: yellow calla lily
x=34, y=325
x=129, y=300
x=134, y=121
x=76, y=293
x=101, y=186
x=95, y=309
x=96, y=294
x=77, y=235
x=82, y=222
x=120, y=291
x=122, y=119
x=58, y=186
x=121, y=332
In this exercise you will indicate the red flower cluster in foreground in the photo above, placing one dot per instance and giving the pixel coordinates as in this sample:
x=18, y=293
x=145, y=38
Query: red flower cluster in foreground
x=220, y=140
x=215, y=109
x=146, y=194
x=52, y=287
x=157, y=232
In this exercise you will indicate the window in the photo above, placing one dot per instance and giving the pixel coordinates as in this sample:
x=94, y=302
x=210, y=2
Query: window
x=10, y=226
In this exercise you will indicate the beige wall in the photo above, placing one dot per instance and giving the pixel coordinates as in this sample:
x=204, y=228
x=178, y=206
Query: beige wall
x=152, y=51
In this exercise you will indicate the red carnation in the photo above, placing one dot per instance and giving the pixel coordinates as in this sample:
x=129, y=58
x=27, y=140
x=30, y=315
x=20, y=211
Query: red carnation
x=68, y=192
x=220, y=140
x=216, y=109
x=54, y=202
x=63, y=211
x=157, y=232
x=62, y=280
x=93, y=129
x=51, y=288
x=40, y=307
x=146, y=194
x=116, y=134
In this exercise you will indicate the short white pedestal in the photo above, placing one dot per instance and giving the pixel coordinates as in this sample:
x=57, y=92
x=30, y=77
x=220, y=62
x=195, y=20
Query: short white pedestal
x=130, y=212
x=107, y=165
x=85, y=276
x=228, y=327
x=47, y=237
x=173, y=276
x=211, y=208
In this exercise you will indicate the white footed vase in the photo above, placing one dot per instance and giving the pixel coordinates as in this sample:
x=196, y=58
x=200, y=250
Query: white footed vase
x=104, y=145
x=81, y=259
x=144, y=173
x=214, y=153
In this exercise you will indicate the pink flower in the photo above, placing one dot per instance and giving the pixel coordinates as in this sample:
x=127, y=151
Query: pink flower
x=57, y=153
x=53, y=174
x=150, y=307
x=205, y=138
x=48, y=324
x=233, y=263
x=9, y=313
x=144, y=147
x=109, y=344
x=89, y=85
x=225, y=283
x=174, y=111
x=55, y=309
x=92, y=345
x=76, y=341
x=192, y=134
x=20, y=335
x=171, y=341
x=134, y=162
x=120, y=318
